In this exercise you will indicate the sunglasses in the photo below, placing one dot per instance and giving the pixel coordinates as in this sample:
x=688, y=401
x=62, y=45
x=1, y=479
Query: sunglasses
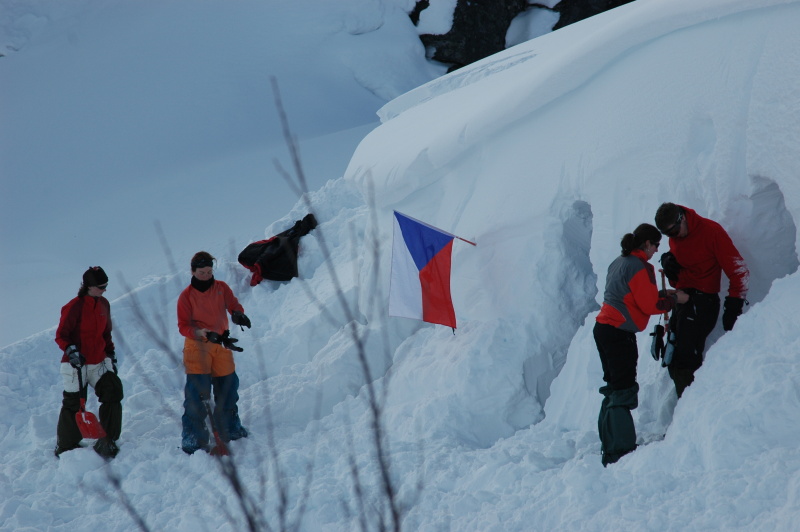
x=103, y=286
x=675, y=228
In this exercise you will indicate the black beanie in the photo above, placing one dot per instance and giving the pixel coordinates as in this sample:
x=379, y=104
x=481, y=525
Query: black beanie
x=94, y=276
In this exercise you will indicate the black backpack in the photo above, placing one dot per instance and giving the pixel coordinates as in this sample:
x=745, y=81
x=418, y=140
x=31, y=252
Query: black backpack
x=276, y=258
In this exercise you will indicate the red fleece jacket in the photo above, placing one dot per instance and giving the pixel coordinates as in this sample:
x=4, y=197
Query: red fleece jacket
x=206, y=310
x=704, y=253
x=86, y=323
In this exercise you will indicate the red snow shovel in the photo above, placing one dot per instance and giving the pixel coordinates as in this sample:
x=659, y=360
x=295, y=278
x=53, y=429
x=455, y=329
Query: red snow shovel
x=88, y=424
x=219, y=449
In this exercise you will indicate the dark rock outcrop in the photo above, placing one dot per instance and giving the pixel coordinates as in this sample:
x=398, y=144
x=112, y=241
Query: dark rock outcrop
x=480, y=26
x=572, y=11
x=478, y=31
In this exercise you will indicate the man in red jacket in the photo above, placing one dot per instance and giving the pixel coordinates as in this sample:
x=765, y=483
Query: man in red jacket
x=699, y=251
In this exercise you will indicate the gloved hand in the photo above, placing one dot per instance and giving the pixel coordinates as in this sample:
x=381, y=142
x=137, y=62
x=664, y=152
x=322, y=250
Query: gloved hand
x=230, y=343
x=732, y=310
x=240, y=319
x=76, y=359
x=670, y=266
x=225, y=340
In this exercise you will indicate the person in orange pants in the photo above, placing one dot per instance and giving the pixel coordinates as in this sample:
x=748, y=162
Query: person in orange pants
x=203, y=309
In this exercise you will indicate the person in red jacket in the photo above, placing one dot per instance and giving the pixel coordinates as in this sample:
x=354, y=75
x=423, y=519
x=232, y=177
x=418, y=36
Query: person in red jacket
x=203, y=309
x=84, y=336
x=631, y=297
x=699, y=251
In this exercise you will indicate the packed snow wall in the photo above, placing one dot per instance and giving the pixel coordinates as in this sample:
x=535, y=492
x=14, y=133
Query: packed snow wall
x=540, y=177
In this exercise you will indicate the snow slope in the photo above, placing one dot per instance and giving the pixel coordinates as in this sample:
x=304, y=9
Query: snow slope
x=119, y=115
x=545, y=155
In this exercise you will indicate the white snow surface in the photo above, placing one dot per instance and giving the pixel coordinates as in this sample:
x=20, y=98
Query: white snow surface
x=545, y=155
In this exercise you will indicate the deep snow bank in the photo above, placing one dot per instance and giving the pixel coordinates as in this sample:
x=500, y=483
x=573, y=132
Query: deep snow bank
x=547, y=186
x=547, y=181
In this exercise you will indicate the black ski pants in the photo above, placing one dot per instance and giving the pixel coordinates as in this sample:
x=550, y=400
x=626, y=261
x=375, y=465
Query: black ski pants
x=619, y=356
x=692, y=322
x=109, y=394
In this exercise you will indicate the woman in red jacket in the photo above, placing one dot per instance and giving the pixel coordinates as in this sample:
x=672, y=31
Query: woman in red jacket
x=631, y=297
x=84, y=335
x=203, y=309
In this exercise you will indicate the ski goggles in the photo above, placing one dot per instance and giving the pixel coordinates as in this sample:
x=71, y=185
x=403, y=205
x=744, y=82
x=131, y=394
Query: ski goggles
x=674, y=229
x=202, y=263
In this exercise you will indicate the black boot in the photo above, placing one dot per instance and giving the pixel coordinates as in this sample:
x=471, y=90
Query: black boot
x=109, y=393
x=61, y=450
x=106, y=447
x=68, y=436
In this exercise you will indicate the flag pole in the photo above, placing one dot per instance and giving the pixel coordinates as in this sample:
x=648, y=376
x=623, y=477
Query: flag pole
x=465, y=240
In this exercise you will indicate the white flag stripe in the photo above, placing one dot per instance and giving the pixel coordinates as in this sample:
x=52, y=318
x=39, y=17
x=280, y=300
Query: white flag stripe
x=405, y=291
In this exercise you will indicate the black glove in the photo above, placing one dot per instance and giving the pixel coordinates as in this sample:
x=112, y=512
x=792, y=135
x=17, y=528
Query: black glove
x=670, y=266
x=230, y=343
x=657, y=346
x=225, y=340
x=308, y=223
x=733, y=309
x=76, y=359
x=240, y=319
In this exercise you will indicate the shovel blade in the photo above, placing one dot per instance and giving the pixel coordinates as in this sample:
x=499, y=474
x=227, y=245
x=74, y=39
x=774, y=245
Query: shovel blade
x=88, y=424
x=219, y=450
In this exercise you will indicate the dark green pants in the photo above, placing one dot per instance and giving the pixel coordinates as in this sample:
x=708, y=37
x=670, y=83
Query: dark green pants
x=615, y=422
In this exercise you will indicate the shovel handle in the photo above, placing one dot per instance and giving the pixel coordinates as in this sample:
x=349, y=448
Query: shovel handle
x=80, y=379
x=220, y=449
x=666, y=312
x=80, y=388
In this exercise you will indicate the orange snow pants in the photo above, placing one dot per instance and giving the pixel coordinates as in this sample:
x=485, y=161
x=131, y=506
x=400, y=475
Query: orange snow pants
x=201, y=357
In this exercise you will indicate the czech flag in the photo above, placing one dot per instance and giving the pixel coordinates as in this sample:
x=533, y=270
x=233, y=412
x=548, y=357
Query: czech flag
x=420, y=278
